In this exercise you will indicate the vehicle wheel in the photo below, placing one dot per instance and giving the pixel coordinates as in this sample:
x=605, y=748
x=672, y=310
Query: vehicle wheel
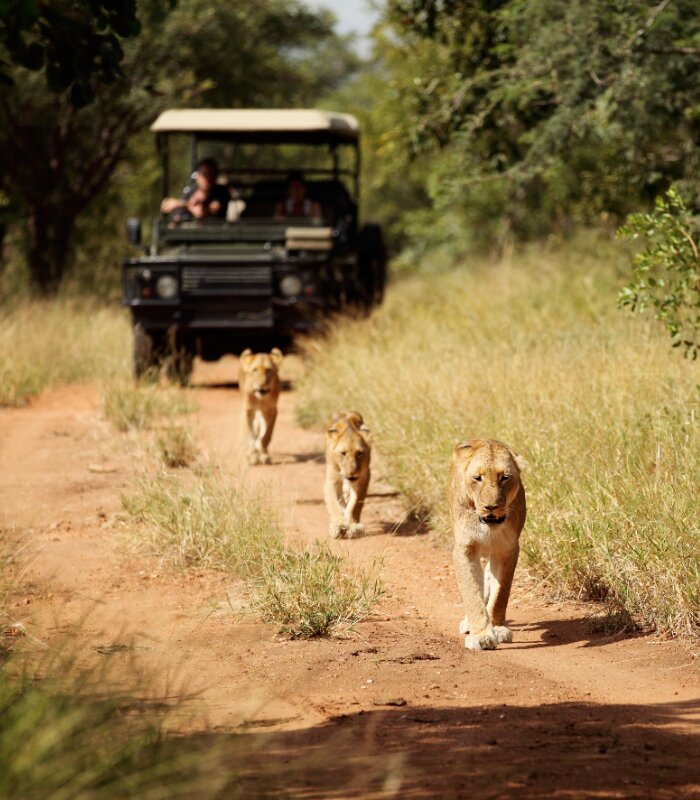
x=180, y=359
x=372, y=264
x=146, y=360
x=372, y=260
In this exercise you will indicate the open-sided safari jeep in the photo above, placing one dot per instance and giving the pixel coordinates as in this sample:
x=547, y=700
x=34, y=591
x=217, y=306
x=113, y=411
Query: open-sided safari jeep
x=251, y=278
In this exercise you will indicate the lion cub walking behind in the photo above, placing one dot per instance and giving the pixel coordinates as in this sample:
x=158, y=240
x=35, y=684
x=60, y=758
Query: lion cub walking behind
x=259, y=383
x=347, y=473
x=487, y=508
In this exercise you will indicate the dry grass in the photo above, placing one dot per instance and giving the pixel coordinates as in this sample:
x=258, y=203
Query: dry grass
x=43, y=344
x=176, y=447
x=209, y=521
x=136, y=406
x=534, y=352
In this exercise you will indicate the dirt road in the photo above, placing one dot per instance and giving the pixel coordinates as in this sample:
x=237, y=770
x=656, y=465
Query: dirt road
x=396, y=709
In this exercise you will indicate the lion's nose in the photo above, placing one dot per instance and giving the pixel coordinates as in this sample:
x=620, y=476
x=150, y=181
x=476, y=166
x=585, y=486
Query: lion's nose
x=491, y=508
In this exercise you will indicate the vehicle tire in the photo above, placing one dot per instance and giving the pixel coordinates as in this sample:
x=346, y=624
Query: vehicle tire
x=146, y=360
x=372, y=260
x=180, y=359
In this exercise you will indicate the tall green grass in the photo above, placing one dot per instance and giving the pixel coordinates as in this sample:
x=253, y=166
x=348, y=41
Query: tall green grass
x=43, y=344
x=209, y=521
x=533, y=351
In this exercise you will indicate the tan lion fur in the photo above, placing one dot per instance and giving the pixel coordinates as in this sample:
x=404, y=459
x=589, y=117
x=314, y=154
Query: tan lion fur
x=348, y=455
x=487, y=509
x=259, y=382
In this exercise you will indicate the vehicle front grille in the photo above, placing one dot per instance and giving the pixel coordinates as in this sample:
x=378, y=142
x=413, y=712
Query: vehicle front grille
x=243, y=281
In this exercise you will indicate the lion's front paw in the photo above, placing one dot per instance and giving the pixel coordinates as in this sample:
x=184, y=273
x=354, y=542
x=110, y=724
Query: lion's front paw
x=265, y=458
x=253, y=457
x=356, y=529
x=502, y=634
x=464, y=626
x=336, y=530
x=484, y=640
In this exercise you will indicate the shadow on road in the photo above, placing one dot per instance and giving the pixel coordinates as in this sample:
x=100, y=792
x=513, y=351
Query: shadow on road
x=564, y=750
x=556, y=632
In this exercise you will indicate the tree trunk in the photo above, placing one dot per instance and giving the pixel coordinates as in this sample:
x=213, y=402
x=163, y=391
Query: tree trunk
x=48, y=238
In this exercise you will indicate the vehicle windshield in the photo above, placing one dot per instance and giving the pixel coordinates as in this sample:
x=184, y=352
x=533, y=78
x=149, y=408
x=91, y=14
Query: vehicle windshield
x=219, y=182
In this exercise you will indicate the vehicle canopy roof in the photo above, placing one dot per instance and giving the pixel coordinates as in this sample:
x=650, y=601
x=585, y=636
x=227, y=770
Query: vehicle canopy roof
x=261, y=124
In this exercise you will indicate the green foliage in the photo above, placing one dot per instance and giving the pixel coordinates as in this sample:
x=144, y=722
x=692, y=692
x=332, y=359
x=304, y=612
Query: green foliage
x=77, y=45
x=517, y=118
x=667, y=270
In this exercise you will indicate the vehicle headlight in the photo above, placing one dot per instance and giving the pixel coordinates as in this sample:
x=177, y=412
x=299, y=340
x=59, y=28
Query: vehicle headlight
x=290, y=285
x=166, y=287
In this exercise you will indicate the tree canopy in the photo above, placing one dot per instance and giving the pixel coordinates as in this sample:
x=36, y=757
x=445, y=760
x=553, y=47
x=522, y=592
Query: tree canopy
x=536, y=114
x=77, y=44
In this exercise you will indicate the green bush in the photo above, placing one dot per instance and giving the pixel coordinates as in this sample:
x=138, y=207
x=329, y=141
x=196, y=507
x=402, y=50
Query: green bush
x=667, y=270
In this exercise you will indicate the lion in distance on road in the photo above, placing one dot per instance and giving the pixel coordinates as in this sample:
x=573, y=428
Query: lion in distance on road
x=348, y=455
x=487, y=510
x=259, y=383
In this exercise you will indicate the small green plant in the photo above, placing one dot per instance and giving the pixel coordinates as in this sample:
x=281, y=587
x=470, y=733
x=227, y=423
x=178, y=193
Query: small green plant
x=212, y=522
x=176, y=447
x=667, y=270
x=130, y=406
x=310, y=592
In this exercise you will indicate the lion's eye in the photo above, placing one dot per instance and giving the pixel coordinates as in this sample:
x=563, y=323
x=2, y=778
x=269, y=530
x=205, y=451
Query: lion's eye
x=477, y=479
x=344, y=453
x=505, y=478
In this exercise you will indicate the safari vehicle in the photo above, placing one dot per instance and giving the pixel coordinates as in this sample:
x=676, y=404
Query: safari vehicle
x=211, y=286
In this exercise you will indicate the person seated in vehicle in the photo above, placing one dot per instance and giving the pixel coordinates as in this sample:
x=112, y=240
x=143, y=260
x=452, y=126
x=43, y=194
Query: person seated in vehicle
x=203, y=198
x=297, y=203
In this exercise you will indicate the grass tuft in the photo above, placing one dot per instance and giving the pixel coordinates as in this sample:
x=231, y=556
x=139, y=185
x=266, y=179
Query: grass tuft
x=68, y=738
x=211, y=522
x=176, y=447
x=311, y=592
x=136, y=406
x=43, y=344
x=533, y=351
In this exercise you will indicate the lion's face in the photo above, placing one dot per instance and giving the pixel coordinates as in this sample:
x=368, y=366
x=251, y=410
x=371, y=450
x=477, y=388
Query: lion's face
x=346, y=438
x=260, y=371
x=491, y=475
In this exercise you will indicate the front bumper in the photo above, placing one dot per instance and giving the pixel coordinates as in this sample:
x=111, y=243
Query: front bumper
x=215, y=295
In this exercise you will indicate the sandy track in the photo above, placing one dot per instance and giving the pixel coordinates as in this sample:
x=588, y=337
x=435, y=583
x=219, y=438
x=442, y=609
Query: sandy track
x=397, y=709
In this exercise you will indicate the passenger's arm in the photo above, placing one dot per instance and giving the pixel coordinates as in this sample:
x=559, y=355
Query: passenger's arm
x=170, y=204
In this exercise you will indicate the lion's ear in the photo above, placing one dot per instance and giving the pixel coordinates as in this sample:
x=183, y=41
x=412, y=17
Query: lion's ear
x=277, y=356
x=463, y=447
x=463, y=451
x=246, y=356
x=521, y=461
